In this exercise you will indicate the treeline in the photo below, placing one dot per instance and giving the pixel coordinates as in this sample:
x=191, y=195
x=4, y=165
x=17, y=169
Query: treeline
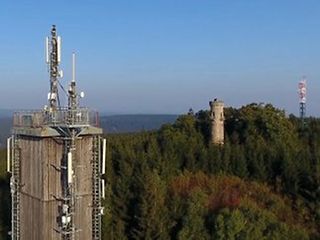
x=264, y=183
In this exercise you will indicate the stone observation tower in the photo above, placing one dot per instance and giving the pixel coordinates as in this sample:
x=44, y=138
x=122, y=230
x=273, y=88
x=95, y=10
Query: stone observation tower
x=217, y=121
x=56, y=157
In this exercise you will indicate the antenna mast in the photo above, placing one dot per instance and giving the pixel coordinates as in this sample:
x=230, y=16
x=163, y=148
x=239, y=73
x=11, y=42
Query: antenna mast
x=302, y=97
x=53, y=59
x=72, y=98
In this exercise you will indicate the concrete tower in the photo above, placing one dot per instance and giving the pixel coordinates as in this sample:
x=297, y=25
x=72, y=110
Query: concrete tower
x=217, y=121
x=56, y=157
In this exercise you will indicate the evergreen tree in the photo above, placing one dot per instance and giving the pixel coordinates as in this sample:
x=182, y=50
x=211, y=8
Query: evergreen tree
x=151, y=212
x=193, y=222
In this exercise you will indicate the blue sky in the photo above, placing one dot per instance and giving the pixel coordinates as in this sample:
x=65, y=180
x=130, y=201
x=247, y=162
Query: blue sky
x=152, y=56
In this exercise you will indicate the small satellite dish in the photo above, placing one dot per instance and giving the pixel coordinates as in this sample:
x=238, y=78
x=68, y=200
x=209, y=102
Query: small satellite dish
x=61, y=74
x=82, y=94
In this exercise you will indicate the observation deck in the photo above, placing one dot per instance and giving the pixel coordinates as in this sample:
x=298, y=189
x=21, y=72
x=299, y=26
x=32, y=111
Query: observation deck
x=47, y=123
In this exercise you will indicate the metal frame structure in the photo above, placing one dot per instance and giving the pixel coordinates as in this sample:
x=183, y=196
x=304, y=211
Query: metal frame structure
x=15, y=184
x=302, y=91
x=53, y=59
x=97, y=189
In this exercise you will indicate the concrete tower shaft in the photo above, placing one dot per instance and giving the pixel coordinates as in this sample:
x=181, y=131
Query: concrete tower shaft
x=217, y=121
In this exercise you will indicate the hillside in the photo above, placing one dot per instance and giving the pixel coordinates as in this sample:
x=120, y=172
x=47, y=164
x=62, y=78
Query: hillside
x=264, y=183
x=5, y=113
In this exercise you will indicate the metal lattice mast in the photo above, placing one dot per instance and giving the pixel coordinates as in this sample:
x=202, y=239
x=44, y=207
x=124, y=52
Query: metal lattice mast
x=302, y=98
x=53, y=58
x=69, y=227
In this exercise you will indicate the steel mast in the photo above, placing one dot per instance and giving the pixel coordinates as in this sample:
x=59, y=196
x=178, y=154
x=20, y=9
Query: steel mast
x=302, y=91
x=53, y=59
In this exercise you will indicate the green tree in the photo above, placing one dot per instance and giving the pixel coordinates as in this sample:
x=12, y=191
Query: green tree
x=228, y=225
x=151, y=211
x=193, y=222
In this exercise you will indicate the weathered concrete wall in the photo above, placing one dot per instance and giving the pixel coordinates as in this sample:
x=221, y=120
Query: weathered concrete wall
x=41, y=174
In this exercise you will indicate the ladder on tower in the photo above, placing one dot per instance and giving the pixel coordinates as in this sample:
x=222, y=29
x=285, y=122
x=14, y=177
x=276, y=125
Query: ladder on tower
x=15, y=190
x=96, y=194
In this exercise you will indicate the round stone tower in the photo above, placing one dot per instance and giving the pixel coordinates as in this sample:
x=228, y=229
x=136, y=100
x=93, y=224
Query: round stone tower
x=217, y=121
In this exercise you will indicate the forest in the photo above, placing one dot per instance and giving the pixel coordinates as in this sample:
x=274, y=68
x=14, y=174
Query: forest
x=263, y=183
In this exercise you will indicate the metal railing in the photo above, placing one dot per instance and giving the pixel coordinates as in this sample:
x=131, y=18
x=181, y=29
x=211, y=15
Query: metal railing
x=40, y=118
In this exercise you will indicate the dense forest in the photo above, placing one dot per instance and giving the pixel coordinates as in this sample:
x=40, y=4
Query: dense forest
x=263, y=183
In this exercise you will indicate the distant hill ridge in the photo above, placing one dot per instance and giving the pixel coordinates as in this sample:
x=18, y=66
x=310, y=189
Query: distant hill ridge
x=135, y=122
x=111, y=124
x=4, y=113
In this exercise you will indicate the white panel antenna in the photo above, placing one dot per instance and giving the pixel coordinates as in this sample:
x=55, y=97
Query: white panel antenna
x=73, y=67
x=69, y=167
x=104, y=147
x=47, y=50
x=59, y=49
x=103, y=187
x=9, y=154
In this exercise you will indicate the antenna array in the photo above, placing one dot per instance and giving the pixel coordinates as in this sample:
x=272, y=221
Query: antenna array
x=302, y=91
x=53, y=59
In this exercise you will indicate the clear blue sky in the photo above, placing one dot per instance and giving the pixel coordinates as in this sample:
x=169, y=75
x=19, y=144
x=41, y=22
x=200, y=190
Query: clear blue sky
x=164, y=56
